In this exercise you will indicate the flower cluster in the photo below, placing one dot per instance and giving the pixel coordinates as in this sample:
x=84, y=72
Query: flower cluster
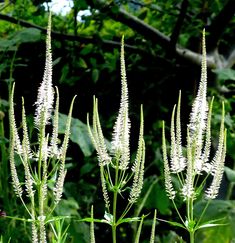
x=197, y=158
x=119, y=156
x=37, y=176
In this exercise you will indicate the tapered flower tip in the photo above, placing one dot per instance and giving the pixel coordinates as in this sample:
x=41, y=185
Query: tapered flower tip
x=120, y=139
x=45, y=98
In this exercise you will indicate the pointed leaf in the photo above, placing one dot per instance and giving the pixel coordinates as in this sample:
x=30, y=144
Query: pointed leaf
x=128, y=220
x=210, y=225
x=173, y=223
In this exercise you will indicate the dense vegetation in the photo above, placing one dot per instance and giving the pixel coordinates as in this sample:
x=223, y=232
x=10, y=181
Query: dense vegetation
x=162, y=52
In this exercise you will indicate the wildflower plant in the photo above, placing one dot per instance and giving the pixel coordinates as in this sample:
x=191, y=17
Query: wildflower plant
x=43, y=164
x=116, y=169
x=189, y=165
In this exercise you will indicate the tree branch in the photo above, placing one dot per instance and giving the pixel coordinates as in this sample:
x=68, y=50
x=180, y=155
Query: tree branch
x=140, y=26
x=133, y=22
x=61, y=36
x=153, y=34
x=219, y=24
x=176, y=31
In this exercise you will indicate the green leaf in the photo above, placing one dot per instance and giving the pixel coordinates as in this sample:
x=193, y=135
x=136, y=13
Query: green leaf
x=56, y=218
x=128, y=220
x=176, y=224
x=115, y=9
x=173, y=223
x=230, y=174
x=143, y=14
x=86, y=168
x=93, y=61
x=225, y=74
x=79, y=134
x=213, y=234
x=81, y=4
x=222, y=211
x=209, y=225
x=89, y=220
x=160, y=202
x=67, y=207
x=95, y=75
x=108, y=217
x=28, y=35
x=8, y=45
x=82, y=63
x=57, y=60
x=86, y=50
x=64, y=73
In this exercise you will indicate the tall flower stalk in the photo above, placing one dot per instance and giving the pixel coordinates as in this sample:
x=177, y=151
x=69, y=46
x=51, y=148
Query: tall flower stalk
x=189, y=166
x=116, y=169
x=47, y=161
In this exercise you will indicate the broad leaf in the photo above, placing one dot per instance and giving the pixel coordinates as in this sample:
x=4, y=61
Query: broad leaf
x=79, y=134
x=28, y=35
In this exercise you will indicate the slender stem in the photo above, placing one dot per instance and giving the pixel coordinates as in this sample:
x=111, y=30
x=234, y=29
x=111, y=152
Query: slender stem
x=178, y=212
x=22, y=201
x=191, y=208
x=230, y=190
x=188, y=209
x=41, y=139
x=128, y=207
x=115, y=194
x=40, y=182
x=190, y=226
x=191, y=236
x=109, y=176
x=114, y=226
x=230, y=187
x=181, y=178
x=203, y=212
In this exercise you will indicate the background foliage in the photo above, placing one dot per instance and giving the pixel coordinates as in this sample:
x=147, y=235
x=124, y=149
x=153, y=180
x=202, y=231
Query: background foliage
x=162, y=57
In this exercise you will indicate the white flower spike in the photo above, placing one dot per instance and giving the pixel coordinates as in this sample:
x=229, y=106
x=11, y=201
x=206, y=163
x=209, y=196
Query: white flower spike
x=45, y=98
x=188, y=168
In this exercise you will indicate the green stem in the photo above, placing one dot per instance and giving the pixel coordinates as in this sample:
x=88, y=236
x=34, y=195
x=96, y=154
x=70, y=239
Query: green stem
x=128, y=207
x=22, y=201
x=191, y=236
x=178, y=212
x=115, y=194
x=114, y=233
x=230, y=187
x=41, y=139
x=230, y=190
x=203, y=212
x=188, y=209
x=114, y=226
x=191, y=208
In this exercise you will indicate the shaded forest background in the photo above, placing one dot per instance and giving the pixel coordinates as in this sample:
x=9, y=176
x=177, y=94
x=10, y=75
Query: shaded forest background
x=162, y=49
